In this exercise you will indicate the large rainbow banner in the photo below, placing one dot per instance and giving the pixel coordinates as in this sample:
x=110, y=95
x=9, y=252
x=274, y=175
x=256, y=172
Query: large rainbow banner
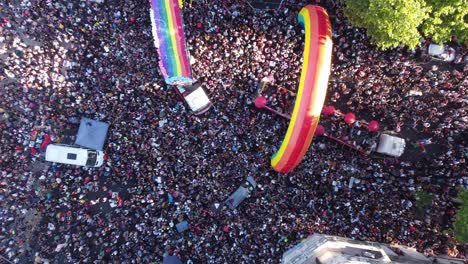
x=312, y=89
x=168, y=33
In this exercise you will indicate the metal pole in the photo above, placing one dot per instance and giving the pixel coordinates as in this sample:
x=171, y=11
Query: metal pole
x=7, y=260
x=346, y=144
x=278, y=113
x=250, y=5
x=281, y=87
x=281, y=5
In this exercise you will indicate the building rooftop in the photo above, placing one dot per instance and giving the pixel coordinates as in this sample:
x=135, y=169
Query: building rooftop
x=324, y=249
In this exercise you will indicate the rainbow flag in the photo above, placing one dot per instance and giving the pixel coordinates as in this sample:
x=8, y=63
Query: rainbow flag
x=312, y=88
x=168, y=32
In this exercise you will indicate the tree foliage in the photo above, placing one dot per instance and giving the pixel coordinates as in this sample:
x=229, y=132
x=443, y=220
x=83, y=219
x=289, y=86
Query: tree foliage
x=447, y=18
x=388, y=22
x=460, y=226
x=393, y=22
x=423, y=198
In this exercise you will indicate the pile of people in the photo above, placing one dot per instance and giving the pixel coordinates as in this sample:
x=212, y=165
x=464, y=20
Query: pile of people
x=67, y=59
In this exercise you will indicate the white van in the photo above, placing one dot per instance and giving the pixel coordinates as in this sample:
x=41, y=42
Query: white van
x=195, y=97
x=391, y=145
x=74, y=155
x=444, y=53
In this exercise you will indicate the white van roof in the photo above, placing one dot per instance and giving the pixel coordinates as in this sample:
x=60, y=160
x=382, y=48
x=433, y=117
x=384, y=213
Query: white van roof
x=66, y=154
x=391, y=145
x=197, y=99
x=435, y=49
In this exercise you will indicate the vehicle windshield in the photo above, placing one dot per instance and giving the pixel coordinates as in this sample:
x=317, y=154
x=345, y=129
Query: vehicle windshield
x=92, y=157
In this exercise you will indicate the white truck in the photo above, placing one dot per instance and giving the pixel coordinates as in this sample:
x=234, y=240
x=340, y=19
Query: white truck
x=195, y=97
x=74, y=155
x=391, y=145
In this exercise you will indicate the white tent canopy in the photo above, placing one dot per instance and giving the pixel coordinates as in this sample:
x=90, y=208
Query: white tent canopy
x=391, y=145
x=92, y=134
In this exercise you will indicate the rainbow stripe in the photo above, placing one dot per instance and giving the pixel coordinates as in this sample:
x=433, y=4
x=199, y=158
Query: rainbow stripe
x=169, y=38
x=312, y=89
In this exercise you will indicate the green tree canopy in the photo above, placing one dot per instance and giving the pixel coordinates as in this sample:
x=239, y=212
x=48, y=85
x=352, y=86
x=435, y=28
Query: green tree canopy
x=460, y=226
x=393, y=22
x=423, y=198
x=447, y=18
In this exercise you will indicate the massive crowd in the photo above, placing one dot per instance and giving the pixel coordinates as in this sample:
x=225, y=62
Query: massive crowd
x=67, y=59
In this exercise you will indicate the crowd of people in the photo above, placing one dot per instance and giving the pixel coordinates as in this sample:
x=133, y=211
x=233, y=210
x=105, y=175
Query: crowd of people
x=68, y=59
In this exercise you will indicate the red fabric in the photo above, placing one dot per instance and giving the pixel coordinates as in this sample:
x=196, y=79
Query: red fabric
x=376, y=87
x=33, y=151
x=120, y=201
x=33, y=135
x=422, y=146
x=45, y=142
